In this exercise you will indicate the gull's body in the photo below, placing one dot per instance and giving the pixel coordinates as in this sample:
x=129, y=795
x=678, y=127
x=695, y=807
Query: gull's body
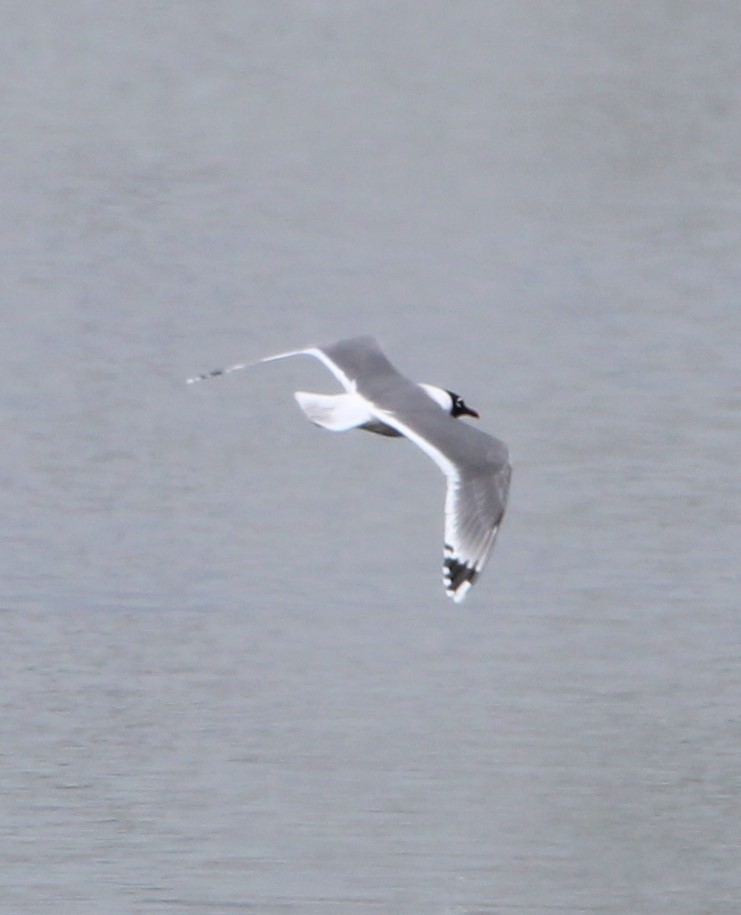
x=380, y=399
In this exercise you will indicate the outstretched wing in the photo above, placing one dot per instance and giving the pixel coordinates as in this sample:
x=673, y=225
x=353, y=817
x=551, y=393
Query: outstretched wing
x=474, y=507
x=344, y=379
x=478, y=473
x=475, y=464
x=347, y=360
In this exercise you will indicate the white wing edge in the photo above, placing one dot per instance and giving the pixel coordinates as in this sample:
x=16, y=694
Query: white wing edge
x=453, y=480
x=314, y=351
x=443, y=462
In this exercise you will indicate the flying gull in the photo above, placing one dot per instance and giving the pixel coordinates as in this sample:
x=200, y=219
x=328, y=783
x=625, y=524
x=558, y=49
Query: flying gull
x=380, y=399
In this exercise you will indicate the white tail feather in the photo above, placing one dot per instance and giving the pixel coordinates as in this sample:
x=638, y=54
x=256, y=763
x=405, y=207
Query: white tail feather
x=336, y=412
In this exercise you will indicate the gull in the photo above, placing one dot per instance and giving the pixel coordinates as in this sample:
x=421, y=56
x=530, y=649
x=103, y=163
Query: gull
x=379, y=399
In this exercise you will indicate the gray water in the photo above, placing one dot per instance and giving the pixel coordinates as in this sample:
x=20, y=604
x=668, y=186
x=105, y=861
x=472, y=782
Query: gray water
x=231, y=681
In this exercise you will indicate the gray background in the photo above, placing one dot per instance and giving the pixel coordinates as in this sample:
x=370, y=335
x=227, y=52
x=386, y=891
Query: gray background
x=230, y=679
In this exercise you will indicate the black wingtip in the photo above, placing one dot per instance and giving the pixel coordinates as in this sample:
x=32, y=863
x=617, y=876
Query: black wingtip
x=458, y=577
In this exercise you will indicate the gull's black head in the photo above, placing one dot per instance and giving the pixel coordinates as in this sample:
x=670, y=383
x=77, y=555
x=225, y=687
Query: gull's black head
x=459, y=407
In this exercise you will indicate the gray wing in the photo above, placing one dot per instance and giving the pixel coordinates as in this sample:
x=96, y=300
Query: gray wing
x=474, y=508
x=478, y=473
x=359, y=359
x=349, y=361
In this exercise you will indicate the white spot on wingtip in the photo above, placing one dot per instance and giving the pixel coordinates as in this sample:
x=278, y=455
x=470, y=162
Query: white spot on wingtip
x=460, y=594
